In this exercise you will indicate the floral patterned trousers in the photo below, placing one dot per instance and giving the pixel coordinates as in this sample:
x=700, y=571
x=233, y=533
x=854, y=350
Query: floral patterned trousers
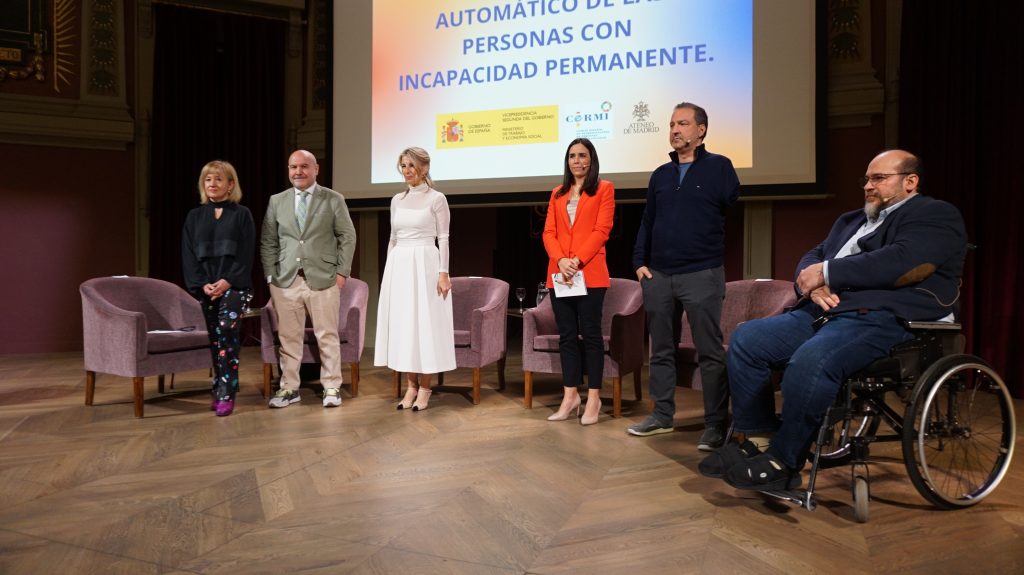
x=223, y=323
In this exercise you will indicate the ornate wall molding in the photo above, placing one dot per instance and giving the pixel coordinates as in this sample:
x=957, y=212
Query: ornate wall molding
x=65, y=44
x=86, y=105
x=35, y=68
x=102, y=53
x=58, y=122
x=311, y=117
x=854, y=91
x=319, y=29
x=43, y=50
x=24, y=39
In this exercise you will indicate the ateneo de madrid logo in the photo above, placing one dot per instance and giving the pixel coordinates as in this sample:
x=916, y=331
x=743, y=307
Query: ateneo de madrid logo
x=641, y=124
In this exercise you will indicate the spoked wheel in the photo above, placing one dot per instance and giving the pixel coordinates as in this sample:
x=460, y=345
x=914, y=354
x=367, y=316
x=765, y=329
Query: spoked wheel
x=861, y=498
x=958, y=432
x=861, y=422
x=858, y=425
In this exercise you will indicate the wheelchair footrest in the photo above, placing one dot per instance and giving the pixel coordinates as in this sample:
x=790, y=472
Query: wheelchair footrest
x=799, y=497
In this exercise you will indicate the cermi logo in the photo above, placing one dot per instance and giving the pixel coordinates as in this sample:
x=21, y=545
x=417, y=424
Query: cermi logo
x=580, y=118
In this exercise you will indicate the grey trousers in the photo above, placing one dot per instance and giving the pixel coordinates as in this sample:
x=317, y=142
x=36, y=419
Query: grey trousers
x=700, y=295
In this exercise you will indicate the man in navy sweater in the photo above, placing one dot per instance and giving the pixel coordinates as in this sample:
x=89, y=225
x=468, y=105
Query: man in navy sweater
x=899, y=258
x=678, y=258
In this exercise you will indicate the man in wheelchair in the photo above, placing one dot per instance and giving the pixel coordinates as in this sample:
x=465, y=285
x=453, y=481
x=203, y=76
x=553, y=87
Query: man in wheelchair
x=898, y=259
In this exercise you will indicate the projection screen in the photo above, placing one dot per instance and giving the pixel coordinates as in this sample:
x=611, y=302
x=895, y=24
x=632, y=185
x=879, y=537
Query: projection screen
x=495, y=90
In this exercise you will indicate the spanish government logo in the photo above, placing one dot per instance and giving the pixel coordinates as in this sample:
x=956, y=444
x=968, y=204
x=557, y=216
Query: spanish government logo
x=452, y=132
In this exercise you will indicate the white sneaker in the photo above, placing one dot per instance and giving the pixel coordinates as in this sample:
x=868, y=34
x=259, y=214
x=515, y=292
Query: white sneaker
x=332, y=397
x=284, y=398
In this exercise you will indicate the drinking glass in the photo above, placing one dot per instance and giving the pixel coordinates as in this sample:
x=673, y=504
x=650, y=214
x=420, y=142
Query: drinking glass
x=542, y=292
x=520, y=295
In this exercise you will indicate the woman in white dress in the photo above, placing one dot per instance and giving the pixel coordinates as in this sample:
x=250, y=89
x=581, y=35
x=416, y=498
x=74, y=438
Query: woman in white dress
x=415, y=333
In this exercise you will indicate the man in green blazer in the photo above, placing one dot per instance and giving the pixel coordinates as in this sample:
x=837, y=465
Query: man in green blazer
x=306, y=248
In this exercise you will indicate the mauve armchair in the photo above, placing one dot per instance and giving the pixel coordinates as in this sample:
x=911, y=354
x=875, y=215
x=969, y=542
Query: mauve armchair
x=351, y=333
x=120, y=318
x=744, y=300
x=622, y=325
x=479, y=310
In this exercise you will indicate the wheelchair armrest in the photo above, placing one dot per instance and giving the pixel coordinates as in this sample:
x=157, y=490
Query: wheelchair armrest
x=932, y=325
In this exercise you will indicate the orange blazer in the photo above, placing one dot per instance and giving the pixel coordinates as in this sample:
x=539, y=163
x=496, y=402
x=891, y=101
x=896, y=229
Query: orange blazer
x=586, y=238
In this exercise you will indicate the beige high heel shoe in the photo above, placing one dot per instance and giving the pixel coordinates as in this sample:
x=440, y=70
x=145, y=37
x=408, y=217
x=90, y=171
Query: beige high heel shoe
x=410, y=396
x=422, y=397
x=590, y=421
x=559, y=416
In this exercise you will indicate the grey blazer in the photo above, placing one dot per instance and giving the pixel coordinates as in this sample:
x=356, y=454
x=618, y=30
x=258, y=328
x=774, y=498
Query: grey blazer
x=323, y=249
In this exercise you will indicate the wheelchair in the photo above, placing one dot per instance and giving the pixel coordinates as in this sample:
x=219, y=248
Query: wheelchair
x=951, y=413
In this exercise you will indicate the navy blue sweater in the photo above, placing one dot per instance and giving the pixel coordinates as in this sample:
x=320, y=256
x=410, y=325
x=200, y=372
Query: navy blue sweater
x=683, y=226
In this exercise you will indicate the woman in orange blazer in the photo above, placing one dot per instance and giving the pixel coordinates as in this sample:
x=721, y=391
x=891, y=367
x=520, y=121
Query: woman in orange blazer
x=578, y=223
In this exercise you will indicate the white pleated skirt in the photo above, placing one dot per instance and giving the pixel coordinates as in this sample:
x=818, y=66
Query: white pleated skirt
x=415, y=332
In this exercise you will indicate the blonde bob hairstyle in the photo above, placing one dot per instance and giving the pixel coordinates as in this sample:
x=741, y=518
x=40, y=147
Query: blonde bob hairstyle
x=420, y=160
x=228, y=171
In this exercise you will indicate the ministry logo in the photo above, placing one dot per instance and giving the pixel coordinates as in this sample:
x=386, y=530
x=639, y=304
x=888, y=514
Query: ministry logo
x=640, y=124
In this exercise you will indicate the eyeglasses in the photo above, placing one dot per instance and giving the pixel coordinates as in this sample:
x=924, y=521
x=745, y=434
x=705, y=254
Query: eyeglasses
x=876, y=179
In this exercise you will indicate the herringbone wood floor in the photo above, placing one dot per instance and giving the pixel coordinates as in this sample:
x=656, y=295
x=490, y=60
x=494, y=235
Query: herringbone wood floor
x=458, y=488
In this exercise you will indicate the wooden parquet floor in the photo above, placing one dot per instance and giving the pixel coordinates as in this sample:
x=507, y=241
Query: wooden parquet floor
x=457, y=488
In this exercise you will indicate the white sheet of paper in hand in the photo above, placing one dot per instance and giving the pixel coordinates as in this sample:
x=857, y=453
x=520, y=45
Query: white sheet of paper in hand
x=578, y=287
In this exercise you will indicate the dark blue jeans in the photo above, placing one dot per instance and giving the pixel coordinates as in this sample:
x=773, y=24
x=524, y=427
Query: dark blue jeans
x=580, y=316
x=816, y=359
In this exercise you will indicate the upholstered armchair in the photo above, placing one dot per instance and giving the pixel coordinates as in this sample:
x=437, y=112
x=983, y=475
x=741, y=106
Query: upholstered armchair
x=622, y=325
x=351, y=333
x=138, y=327
x=479, y=309
x=744, y=300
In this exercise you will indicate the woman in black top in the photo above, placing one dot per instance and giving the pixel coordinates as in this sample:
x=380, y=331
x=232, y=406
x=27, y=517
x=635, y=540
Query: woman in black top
x=218, y=243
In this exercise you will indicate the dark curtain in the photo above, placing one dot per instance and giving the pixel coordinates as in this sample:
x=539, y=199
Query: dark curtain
x=218, y=94
x=960, y=111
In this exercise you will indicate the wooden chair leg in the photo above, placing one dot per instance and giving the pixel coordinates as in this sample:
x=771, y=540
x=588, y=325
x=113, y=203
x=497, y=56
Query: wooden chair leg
x=476, y=386
x=501, y=373
x=398, y=384
x=90, y=386
x=616, y=396
x=354, y=378
x=172, y=380
x=528, y=389
x=160, y=383
x=638, y=389
x=440, y=378
x=268, y=374
x=137, y=394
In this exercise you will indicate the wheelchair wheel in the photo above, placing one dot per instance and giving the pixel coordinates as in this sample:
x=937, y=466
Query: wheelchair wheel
x=958, y=432
x=838, y=448
x=861, y=497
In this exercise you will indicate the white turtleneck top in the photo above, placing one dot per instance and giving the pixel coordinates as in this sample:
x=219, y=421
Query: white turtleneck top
x=420, y=214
